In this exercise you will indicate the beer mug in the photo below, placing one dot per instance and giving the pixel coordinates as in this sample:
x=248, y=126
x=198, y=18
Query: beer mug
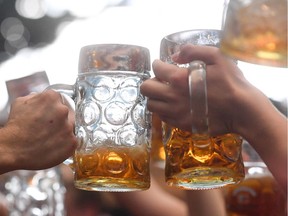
x=195, y=160
x=34, y=193
x=35, y=82
x=112, y=123
x=259, y=193
x=256, y=31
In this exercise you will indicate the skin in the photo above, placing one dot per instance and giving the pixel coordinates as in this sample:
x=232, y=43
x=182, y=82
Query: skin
x=3, y=206
x=39, y=133
x=234, y=105
x=205, y=202
x=153, y=202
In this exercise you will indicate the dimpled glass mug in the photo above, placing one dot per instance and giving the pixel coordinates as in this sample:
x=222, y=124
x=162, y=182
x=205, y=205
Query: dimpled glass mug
x=112, y=123
x=195, y=160
x=255, y=31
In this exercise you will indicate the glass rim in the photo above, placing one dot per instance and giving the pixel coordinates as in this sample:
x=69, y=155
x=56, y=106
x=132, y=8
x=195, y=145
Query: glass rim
x=172, y=37
x=104, y=56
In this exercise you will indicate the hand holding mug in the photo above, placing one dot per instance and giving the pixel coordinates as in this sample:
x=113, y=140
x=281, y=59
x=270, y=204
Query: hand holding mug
x=194, y=158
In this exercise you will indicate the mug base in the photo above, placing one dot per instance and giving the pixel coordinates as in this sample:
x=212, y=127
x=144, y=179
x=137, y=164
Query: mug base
x=204, y=178
x=111, y=184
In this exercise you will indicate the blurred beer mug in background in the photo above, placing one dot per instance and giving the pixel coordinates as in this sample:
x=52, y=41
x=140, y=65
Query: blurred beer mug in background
x=34, y=193
x=196, y=160
x=112, y=123
x=259, y=193
x=35, y=82
x=255, y=31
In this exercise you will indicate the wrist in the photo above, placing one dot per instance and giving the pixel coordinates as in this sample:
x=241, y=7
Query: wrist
x=253, y=108
x=8, y=159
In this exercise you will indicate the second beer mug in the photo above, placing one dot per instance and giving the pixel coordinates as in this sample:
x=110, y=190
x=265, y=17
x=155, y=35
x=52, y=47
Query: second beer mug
x=256, y=31
x=194, y=160
x=111, y=121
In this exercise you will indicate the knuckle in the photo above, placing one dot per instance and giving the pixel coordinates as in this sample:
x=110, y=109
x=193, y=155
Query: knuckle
x=51, y=95
x=179, y=77
x=63, y=111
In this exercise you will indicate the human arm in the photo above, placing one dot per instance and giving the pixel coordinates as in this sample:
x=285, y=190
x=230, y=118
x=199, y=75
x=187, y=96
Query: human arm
x=158, y=200
x=153, y=202
x=234, y=104
x=206, y=202
x=38, y=133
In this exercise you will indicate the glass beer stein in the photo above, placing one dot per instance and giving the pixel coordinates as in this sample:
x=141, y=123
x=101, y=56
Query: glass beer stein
x=112, y=123
x=35, y=82
x=256, y=31
x=259, y=193
x=195, y=160
x=34, y=193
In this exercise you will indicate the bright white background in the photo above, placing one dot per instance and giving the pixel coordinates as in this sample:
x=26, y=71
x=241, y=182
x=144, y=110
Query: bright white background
x=142, y=23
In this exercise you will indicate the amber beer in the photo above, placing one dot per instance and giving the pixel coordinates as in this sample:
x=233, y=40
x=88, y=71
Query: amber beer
x=256, y=32
x=259, y=194
x=119, y=169
x=193, y=166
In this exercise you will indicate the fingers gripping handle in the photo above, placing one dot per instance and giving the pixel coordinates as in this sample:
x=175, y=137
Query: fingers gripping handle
x=66, y=91
x=198, y=98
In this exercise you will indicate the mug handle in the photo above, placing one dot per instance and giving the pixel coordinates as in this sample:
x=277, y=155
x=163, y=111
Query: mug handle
x=66, y=91
x=198, y=103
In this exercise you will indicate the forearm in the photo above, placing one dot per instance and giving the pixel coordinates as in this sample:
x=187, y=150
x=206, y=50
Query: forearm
x=265, y=128
x=206, y=202
x=153, y=202
x=270, y=142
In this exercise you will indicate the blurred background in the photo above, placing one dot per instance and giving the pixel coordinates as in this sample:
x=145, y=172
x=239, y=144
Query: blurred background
x=46, y=35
